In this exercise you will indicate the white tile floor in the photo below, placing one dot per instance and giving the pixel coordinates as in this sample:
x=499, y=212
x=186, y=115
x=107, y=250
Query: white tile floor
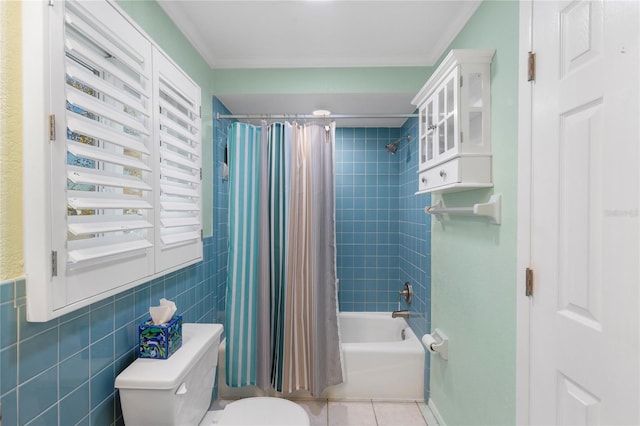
x=369, y=413
x=362, y=413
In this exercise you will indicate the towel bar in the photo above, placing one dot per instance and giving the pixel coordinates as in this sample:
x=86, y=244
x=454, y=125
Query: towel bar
x=491, y=209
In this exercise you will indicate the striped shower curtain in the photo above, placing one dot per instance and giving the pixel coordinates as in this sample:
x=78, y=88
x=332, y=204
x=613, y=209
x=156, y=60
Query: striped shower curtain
x=281, y=312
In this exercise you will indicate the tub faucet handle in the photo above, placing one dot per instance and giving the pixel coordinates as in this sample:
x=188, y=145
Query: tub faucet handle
x=407, y=293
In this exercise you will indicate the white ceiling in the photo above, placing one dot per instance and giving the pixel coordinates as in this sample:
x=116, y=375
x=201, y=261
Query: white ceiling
x=320, y=33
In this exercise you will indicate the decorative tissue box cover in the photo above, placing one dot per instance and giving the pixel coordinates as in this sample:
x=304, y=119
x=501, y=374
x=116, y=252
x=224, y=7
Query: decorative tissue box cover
x=162, y=340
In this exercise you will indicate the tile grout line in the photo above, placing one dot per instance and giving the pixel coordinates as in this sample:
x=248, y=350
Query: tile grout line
x=328, y=411
x=421, y=413
x=373, y=408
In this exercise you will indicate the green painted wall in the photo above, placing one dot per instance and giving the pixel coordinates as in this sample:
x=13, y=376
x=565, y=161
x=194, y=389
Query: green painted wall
x=152, y=19
x=474, y=263
x=321, y=80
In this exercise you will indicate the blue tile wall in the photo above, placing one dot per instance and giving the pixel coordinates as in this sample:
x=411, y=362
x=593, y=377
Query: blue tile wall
x=367, y=183
x=62, y=372
x=414, y=239
x=383, y=234
x=220, y=205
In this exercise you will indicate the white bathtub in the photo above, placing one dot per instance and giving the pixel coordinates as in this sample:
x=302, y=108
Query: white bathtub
x=383, y=360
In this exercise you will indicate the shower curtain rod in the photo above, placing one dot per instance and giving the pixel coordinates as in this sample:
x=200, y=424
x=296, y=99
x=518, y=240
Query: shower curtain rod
x=308, y=116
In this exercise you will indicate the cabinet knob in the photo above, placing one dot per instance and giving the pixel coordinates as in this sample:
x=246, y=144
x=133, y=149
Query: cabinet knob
x=424, y=180
x=431, y=127
x=443, y=174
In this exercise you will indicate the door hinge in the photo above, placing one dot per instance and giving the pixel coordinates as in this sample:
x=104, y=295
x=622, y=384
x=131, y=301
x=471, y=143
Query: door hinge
x=200, y=112
x=531, y=67
x=202, y=235
x=54, y=263
x=201, y=174
x=52, y=127
x=460, y=81
x=528, y=286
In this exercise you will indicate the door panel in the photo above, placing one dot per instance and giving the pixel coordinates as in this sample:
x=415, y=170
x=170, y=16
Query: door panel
x=585, y=252
x=579, y=255
x=576, y=406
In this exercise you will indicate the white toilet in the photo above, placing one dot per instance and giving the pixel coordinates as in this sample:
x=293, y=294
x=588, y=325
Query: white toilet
x=177, y=391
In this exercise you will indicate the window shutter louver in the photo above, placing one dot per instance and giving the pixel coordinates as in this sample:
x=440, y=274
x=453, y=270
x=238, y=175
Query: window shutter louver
x=179, y=217
x=102, y=159
x=108, y=130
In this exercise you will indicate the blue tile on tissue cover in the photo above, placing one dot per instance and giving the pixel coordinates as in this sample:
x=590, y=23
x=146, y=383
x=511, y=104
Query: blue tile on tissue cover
x=160, y=341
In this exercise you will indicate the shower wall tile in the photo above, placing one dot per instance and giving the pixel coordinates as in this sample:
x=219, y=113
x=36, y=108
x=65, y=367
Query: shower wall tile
x=414, y=238
x=414, y=232
x=383, y=234
x=65, y=370
x=220, y=207
x=219, y=249
x=367, y=195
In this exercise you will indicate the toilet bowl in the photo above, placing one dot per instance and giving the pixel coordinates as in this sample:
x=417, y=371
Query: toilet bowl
x=263, y=411
x=177, y=391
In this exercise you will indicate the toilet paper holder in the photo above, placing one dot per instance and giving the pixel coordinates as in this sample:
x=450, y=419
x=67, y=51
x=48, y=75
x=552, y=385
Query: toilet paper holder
x=437, y=343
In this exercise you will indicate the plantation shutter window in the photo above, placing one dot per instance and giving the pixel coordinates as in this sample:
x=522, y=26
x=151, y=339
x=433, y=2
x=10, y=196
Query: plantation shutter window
x=179, y=216
x=120, y=166
x=108, y=110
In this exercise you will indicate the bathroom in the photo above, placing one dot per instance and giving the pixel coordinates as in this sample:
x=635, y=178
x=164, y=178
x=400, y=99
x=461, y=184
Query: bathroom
x=464, y=275
x=99, y=340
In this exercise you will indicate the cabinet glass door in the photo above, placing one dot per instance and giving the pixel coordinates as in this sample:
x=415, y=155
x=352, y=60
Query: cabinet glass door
x=451, y=114
x=422, y=160
x=430, y=130
x=442, y=112
x=475, y=108
x=445, y=122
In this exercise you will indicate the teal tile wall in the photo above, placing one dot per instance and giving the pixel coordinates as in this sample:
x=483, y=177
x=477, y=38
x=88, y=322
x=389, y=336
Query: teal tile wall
x=414, y=239
x=367, y=179
x=383, y=234
x=220, y=203
x=414, y=229
x=62, y=372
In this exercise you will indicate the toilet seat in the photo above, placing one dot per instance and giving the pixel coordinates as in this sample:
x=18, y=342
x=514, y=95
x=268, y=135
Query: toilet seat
x=263, y=411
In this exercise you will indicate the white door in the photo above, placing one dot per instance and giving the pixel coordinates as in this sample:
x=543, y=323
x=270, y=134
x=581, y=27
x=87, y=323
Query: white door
x=584, y=321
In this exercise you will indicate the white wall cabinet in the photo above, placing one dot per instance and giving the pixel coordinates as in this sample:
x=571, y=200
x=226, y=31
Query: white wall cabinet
x=454, y=109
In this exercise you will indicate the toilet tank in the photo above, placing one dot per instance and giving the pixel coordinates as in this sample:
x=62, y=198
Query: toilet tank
x=174, y=391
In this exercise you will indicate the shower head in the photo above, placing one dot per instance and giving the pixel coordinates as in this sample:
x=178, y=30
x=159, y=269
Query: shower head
x=392, y=147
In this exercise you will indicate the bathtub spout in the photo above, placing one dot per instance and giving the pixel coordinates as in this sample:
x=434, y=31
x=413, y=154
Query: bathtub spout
x=400, y=314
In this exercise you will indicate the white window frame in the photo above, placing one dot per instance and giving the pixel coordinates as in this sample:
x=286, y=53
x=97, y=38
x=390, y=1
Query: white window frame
x=55, y=285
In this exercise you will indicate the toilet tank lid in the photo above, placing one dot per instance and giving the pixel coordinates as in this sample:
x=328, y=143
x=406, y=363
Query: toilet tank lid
x=146, y=373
